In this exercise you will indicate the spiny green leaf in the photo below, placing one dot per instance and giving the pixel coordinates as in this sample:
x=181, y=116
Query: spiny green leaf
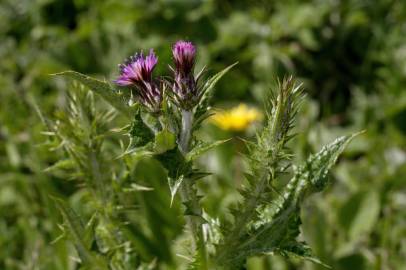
x=202, y=148
x=140, y=133
x=317, y=166
x=309, y=178
x=103, y=89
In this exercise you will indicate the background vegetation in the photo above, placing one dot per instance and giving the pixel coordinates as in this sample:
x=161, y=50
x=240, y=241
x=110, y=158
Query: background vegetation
x=350, y=55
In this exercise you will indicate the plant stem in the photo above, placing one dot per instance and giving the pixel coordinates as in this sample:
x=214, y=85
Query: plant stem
x=189, y=194
x=187, y=120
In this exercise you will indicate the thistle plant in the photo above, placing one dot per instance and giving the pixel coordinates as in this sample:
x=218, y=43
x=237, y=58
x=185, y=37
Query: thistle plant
x=163, y=114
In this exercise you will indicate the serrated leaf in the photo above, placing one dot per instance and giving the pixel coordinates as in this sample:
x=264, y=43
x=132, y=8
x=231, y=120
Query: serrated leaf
x=103, y=89
x=173, y=161
x=203, y=148
x=164, y=141
x=317, y=166
x=140, y=133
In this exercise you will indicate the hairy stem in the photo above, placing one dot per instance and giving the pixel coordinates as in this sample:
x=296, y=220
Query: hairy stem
x=187, y=120
x=189, y=194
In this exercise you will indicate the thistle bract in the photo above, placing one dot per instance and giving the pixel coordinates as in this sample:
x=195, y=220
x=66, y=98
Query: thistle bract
x=136, y=73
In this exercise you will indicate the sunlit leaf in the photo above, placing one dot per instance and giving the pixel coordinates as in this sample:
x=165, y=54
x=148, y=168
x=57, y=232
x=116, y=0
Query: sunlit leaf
x=202, y=148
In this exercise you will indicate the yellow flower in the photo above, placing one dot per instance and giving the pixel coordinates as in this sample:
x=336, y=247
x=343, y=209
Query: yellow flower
x=238, y=118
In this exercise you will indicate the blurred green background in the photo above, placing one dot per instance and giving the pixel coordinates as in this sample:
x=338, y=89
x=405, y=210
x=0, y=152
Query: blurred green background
x=350, y=56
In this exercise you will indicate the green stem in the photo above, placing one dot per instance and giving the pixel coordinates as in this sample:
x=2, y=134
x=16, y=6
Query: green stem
x=189, y=194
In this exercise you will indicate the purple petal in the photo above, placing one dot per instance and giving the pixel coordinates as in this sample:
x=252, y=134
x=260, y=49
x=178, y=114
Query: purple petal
x=151, y=60
x=123, y=81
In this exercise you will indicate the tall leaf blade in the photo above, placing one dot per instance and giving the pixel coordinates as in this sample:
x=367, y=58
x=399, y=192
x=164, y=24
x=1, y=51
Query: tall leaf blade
x=79, y=236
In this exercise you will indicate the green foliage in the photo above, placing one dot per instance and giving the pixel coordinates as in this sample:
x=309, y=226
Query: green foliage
x=266, y=220
x=353, y=70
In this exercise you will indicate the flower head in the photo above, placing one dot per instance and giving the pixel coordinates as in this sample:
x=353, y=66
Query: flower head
x=136, y=73
x=137, y=69
x=185, y=83
x=236, y=119
x=184, y=53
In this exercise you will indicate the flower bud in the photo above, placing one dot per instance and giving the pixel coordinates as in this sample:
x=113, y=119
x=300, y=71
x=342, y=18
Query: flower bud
x=185, y=86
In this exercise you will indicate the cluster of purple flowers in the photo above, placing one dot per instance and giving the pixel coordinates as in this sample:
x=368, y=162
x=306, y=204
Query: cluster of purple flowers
x=136, y=74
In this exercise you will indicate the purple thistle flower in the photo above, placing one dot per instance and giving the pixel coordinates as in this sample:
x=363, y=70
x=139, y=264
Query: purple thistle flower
x=185, y=85
x=136, y=72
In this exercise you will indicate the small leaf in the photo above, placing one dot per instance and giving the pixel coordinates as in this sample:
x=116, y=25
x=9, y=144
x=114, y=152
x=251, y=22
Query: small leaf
x=135, y=188
x=103, y=89
x=65, y=164
x=207, y=90
x=203, y=148
x=174, y=186
x=164, y=141
x=299, y=250
x=196, y=175
x=209, y=85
